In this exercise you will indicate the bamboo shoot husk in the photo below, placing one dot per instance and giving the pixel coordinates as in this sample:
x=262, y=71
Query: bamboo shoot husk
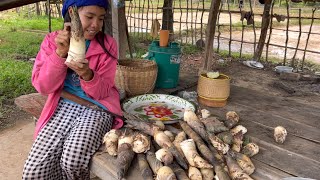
x=207, y=174
x=250, y=149
x=154, y=163
x=226, y=137
x=237, y=142
x=159, y=136
x=213, y=125
x=178, y=139
x=190, y=152
x=219, y=144
x=232, y=118
x=144, y=167
x=205, y=151
x=178, y=171
x=244, y=162
x=193, y=121
x=235, y=171
x=125, y=153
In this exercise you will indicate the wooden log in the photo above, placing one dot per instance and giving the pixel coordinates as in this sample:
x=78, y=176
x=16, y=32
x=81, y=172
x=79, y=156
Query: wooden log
x=290, y=76
x=284, y=86
x=31, y=103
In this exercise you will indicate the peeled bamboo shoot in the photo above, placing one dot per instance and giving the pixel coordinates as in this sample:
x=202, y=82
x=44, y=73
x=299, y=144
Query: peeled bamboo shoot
x=194, y=173
x=166, y=173
x=141, y=143
x=164, y=156
x=110, y=140
x=77, y=48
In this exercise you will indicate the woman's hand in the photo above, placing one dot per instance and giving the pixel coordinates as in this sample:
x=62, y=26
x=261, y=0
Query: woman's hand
x=63, y=41
x=81, y=67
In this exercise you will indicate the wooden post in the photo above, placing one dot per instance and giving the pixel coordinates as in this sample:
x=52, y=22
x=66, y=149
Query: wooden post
x=38, y=9
x=49, y=14
x=119, y=26
x=108, y=22
x=167, y=16
x=264, y=30
x=210, y=32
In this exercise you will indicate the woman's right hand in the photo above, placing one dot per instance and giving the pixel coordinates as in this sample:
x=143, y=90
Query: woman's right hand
x=63, y=41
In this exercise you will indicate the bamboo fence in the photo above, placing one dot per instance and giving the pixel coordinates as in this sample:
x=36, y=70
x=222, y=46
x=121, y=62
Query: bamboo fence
x=189, y=22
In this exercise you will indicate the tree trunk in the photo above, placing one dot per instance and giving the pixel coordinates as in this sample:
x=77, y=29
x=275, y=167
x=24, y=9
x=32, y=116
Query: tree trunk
x=264, y=30
x=210, y=32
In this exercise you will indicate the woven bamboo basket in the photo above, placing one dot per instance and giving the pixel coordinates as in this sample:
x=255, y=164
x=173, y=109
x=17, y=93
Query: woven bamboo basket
x=213, y=92
x=137, y=76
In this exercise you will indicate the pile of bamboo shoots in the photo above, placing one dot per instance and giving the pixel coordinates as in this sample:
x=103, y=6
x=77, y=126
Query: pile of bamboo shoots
x=204, y=148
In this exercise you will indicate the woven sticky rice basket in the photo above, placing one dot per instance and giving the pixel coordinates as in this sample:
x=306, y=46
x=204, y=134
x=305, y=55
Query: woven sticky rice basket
x=136, y=76
x=213, y=92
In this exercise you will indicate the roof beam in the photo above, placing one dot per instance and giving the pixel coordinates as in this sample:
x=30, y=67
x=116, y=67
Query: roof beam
x=8, y=4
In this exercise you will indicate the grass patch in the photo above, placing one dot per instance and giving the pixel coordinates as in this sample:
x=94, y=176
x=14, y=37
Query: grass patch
x=17, y=45
x=14, y=21
x=15, y=78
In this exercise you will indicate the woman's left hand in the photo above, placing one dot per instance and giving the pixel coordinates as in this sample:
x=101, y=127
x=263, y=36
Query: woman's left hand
x=81, y=67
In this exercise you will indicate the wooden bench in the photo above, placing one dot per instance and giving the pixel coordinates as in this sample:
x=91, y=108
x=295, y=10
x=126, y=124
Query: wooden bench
x=260, y=113
x=102, y=164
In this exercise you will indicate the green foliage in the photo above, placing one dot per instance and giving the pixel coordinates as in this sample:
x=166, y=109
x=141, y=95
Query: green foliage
x=15, y=78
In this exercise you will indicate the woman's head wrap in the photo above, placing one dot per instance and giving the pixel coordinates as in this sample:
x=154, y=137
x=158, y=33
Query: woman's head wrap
x=79, y=3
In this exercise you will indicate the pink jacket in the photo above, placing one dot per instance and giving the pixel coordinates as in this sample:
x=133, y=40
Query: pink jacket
x=49, y=72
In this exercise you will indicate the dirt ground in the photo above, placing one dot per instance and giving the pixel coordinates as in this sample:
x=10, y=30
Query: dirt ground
x=16, y=127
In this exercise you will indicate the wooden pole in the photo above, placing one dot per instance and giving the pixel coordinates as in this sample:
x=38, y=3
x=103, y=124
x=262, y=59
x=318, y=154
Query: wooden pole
x=108, y=22
x=298, y=43
x=119, y=27
x=49, y=14
x=307, y=41
x=270, y=31
x=287, y=35
x=210, y=32
x=264, y=30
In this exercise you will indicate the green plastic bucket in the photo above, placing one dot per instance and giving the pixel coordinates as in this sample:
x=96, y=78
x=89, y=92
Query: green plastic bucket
x=168, y=61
